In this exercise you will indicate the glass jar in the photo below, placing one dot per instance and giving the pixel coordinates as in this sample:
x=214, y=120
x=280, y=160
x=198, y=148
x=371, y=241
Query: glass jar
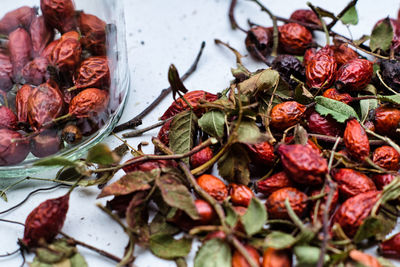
x=55, y=121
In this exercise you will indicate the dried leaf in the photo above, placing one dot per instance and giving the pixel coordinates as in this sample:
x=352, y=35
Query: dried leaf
x=231, y=217
x=279, y=240
x=255, y=217
x=159, y=225
x=176, y=195
x=175, y=81
x=100, y=154
x=213, y=253
x=338, y=110
x=3, y=195
x=366, y=106
x=182, y=133
x=350, y=17
x=213, y=123
x=249, y=133
x=131, y=182
x=166, y=247
x=260, y=82
x=382, y=36
x=234, y=165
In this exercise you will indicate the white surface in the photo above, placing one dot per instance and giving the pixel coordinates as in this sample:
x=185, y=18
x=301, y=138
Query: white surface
x=161, y=32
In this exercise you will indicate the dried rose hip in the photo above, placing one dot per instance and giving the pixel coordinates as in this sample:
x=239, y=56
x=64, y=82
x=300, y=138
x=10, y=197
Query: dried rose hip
x=356, y=140
x=390, y=247
x=369, y=125
x=288, y=65
x=364, y=259
x=35, y=72
x=334, y=94
x=286, y=114
x=93, y=32
x=201, y=157
x=381, y=180
x=193, y=97
x=41, y=35
x=321, y=70
x=59, y=14
x=303, y=164
x=240, y=194
x=323, y=125
x=48, y=51
x=238, y=260
x=213, y=186
x=343, y=53
x=20, y=17
x=6, y=72
x=71, y=134
x=46, y=143
x=352, y=183
x=305, y=15
x=262, y=153
x=386, y=157
x=354, y=75
x=45, y=103
x=66, y=54
x=259, y=38
x=276, y=203
x=8, y=119
x=322, y=205
x=386, y=120
x=310, y=144
x=276, y=258
x=217, y=234
x=309, y=55
x=205, y=210
x=21, y=102
x=11, y=151
x=46, y=220
x=93, y=72
x=274, y=183
x=20, y=47
x=163, y=134
x=90, y=102
x=354, y=211
x=294, y=38
x=390, y=70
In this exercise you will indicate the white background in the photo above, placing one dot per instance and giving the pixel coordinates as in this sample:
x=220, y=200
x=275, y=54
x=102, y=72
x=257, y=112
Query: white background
x=161, y=32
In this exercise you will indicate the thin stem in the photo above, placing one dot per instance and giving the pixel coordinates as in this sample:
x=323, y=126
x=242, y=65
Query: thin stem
x=327, y=36
x=378, y=73
x=141, y=131
x=239, y=247
x=100, y=251
x=232, y=19
x=3, y=192
x=340, y=15
x=237, y=54
x=137, y=120
x=13, y=222
x=268, y=118
x=385, y=139
x=332, y=139
x=10, y=253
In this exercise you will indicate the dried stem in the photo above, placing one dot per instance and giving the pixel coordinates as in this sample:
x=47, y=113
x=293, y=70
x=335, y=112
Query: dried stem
x=332, y=139
x=232, y=19
x=137, y=120
x=10, y=253
x=327, y=36
x=149, y=128
x=378, y=73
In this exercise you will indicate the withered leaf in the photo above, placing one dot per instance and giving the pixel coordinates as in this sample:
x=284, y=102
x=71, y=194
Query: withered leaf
x=100, y=154
x=137, y=217
x=131, y=182
x=234, y=165
x=255, y=217
x=166, y=247
x=263, y=81
x=176, y=195
x=159, y=225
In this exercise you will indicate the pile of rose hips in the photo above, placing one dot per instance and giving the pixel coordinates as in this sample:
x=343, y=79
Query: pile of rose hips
x=43, y=79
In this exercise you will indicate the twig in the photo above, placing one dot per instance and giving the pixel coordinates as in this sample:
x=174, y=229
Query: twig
x=137, y=120
x=378, y=73
x=340, y=15
x=13, y=222
x=10, y=253
x=332, y=139
x=139, y=132
x=232, y=19
x=100, y=251
x=327, y=36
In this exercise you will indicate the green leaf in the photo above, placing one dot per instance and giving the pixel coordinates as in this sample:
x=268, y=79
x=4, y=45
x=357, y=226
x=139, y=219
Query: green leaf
x=377, y=226
x=176, y=195
x=78, y=261
x=182, y=133
x=279, y=240
x=231, y=217
x=131, y=182
x=260, y=82
x=100, y=154
x=366, y=106
x=382, y=36
x=213, y=123
x=249, y=133
x=234, y=165
x=58, y=252
x=213, y=253
x=302, y=95
x=308, y=256
x=159, y=225
x=284, y=90
x=350, y=17
x=395, y=99
x=255, y=217
x=55, y=161
x=338, y=110
x=166, y=247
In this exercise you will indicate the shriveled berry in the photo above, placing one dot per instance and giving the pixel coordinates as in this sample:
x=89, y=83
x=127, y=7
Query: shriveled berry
x=390, y=70
x=240, y=194
x=323, y=125
x=213, y=186
x=35, y=71
x=321, y=70
x=276, y=203
x=309, y=55
x=288, y=65
x=93, y=32
x=217, y=234
x=163, y=134
x=41, y=35
x=238, y=260
x=305, y=15
x=205, y=210
x=71, y=134
x=286, y=114
x=21, y=102
x=386, y=120
x=262, y=153
x=294, y=38
x=356, y=140
x=354, y=211
x=8, y=119
x=20, y=47
x=91, y=102
x=274, y=183
x=20, y=17
x=386, y=157
x=354, y=75
x=310, y=144
x=381, y=180
x=59, y=14
x=352, y=183
x=12, y=151
x=46, y=143
x=6, y=72
x=322, y=205
x=66, y=55
x=303, y=164
x=201, y=157
x=334, y=94
x=259, y=38
x=390, y=247
x=276, y=258
x=343, y=53
x=369, y=125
